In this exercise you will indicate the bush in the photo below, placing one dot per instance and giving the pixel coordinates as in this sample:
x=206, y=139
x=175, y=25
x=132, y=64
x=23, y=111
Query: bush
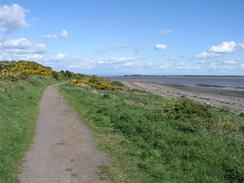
x=117, y=83
x=68, y=74
x=241, y=114
x=55, y=75
x=22, y=69
x=96, y=82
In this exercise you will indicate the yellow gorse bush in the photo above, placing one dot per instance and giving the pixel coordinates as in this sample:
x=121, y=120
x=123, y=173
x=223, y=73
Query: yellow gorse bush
x=15, y=69
x=95, y=82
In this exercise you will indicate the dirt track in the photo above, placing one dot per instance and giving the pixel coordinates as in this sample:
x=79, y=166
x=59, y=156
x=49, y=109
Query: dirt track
x=63, y=150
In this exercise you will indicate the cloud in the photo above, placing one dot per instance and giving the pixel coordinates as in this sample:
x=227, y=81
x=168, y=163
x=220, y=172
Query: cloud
x=242, y=65
x=12, y=18
x=160, y=47
x=119, y=60
x=49, y=36
x=129, y=64
x=226, y=47
x=175, y=58
x=21, y=46
x=241, y=45
x=60, y=56
x=231, y=62
x=114, y=48
x=64, y=34
x=171, y=66
x=206, y=55
x=165, y=32
x=39, y=48
x=102, y=64
x=35, y=57
x=20, y=43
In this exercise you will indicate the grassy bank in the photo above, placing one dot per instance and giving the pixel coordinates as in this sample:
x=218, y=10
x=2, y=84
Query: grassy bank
x=18, y=112
x=152, y=139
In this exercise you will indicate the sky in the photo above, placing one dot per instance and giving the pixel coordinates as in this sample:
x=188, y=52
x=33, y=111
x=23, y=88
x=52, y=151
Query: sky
x=117, y=37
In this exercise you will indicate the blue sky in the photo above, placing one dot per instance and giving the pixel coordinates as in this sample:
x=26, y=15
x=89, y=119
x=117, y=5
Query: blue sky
x=126, y=37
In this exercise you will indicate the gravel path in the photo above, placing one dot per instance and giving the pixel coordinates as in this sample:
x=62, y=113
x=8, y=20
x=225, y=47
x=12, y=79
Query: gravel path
x=63, y=150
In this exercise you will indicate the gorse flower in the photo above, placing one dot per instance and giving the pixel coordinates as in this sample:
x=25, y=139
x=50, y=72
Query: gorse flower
x=15, y=69
x=97, y=83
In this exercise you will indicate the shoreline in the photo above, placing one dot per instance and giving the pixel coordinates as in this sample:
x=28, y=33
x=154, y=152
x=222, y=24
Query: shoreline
x=229, y=99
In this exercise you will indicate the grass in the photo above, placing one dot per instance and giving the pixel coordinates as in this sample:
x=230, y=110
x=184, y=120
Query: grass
x=152, y=139
x=18, y=113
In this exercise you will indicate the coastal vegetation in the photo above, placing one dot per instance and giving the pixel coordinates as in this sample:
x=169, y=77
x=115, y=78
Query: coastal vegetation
x=153, y=139
x=22, y=69
x=97, y=83
x=147, y=137
x=18, y=113
x=21, y=87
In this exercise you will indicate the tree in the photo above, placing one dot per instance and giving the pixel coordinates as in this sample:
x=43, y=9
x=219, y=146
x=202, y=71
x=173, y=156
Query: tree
x=68, y=74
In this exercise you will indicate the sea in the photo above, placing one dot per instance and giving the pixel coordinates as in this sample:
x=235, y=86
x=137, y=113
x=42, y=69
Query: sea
x=235, y=83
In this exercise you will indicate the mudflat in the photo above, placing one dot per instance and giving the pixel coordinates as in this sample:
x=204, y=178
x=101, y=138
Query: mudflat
x=63, y=150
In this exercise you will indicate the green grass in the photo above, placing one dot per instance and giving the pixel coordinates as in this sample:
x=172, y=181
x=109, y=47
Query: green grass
x=152, y=139
x=18, y=113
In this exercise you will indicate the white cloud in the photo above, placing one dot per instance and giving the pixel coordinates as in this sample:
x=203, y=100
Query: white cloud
x=87, y=65
x=119, y=60
x=39, y=48
x=160, y=46
x=63, y=34
x=49, y=36
x=231, y=62
x=206, y=54
x=35, y=57
x=241, y=45
x=170, y=66
x=129, y=64
x=114, y=48
x=12, y=17
x=221, y=49
x=242, y=65
x=225, y=47
x=202, y=55
x=60, y=56
x=165, y=32
x=162, y=66
x=107, y=63
x=20, y=43
x=21, y=46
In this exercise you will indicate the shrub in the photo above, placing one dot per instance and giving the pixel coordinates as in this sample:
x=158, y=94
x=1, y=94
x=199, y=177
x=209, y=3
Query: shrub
x=68, y=74
x=96, y=82
x=55, y=75
x=241, y=114
x=117, y=83
x=22, y=69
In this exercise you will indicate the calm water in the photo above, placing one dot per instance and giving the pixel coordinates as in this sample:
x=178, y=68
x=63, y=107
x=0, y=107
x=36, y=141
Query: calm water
x=230, y=83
